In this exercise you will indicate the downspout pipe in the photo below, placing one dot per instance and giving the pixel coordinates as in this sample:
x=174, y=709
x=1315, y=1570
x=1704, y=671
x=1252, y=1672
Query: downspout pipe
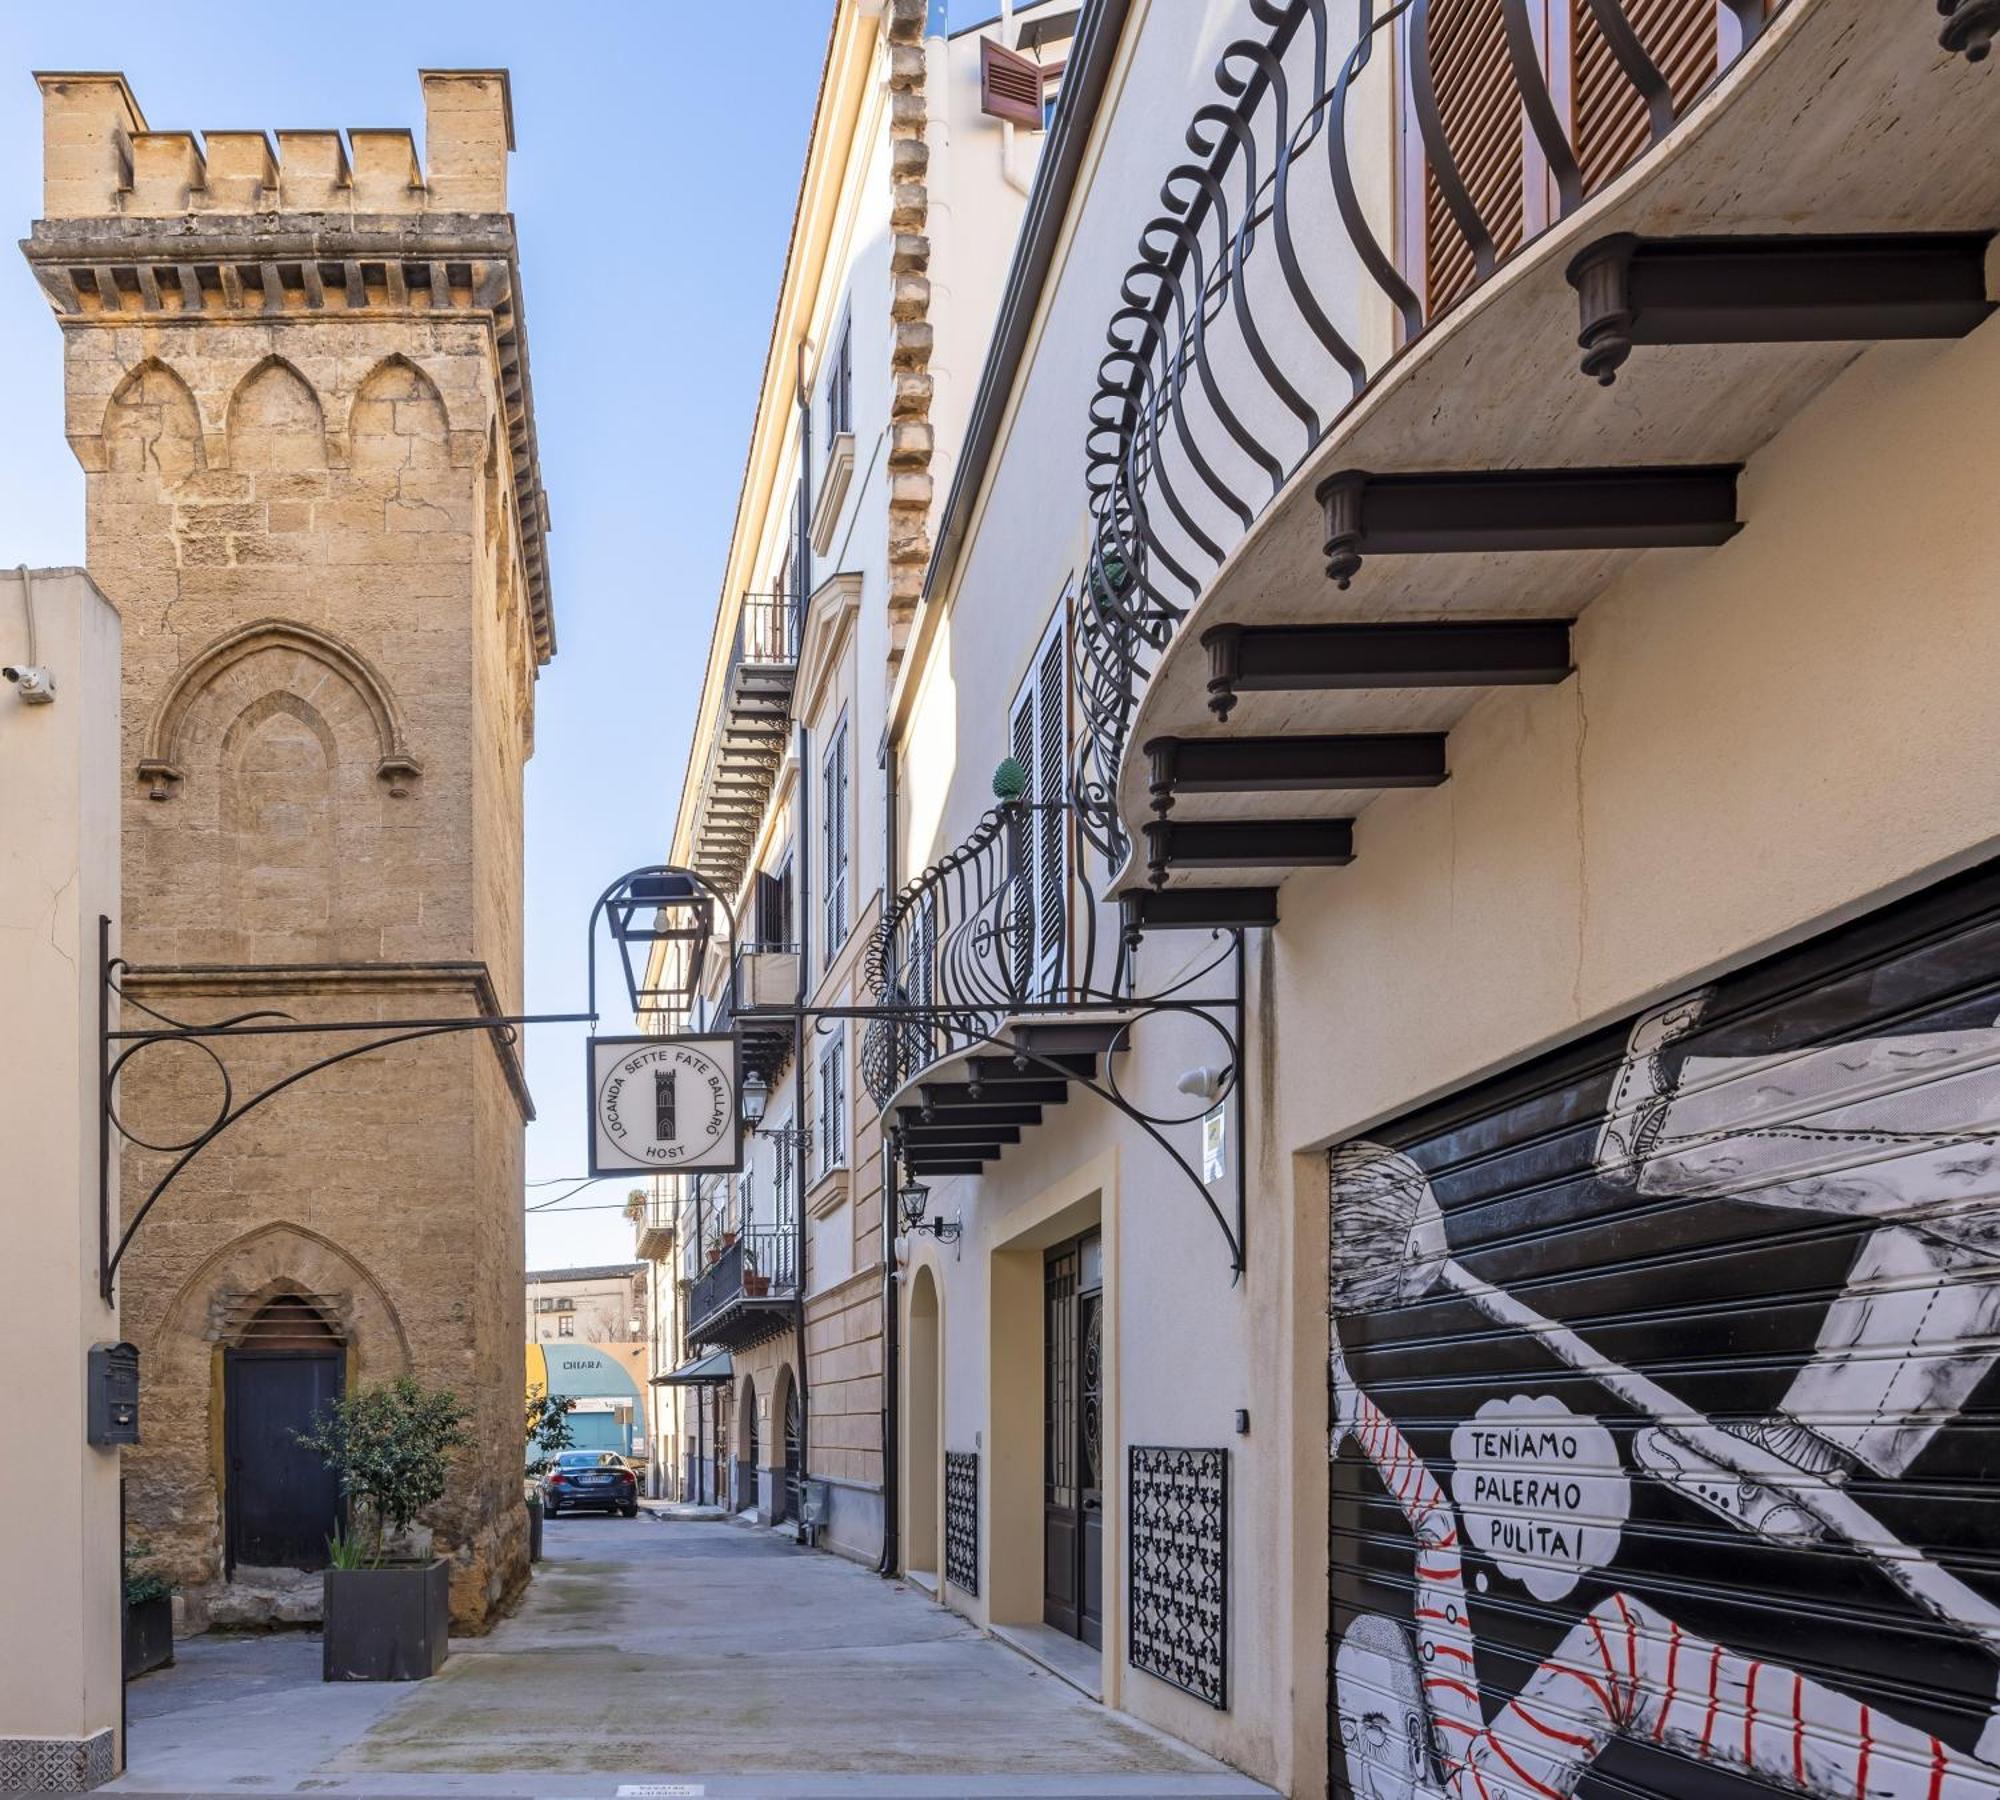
x=892, y=1519
x=802, y=574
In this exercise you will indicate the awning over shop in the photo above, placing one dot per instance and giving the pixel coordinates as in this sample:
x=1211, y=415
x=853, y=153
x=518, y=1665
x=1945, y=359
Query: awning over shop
x=714, y=1370
x=586, y=1371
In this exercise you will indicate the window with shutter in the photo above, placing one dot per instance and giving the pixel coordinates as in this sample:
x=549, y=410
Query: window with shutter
x=830, y=1138
x=840, y=384
x=834, y=839
x=1010, y=85
x=1610, y=121
x=1500, y=165
x=1039, y=738
x=1479, y=109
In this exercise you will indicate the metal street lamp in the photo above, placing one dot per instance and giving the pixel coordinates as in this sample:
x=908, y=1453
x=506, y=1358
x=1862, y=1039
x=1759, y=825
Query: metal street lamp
x=755, y=1095
x=914, y=1199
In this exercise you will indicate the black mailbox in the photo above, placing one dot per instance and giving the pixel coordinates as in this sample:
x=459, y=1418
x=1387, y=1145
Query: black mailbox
x=114, y=1394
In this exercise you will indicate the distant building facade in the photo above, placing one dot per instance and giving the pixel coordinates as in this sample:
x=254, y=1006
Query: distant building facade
x=296, y=378
x=917, y=174
x=602, y=1304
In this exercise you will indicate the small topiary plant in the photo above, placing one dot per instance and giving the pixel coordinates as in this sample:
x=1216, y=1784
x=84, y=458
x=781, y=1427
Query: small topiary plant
x=549, y=1433
x=391, y=1447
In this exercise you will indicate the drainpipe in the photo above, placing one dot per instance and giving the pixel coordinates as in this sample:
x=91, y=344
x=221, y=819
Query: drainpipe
x=891, y=1333
x=803, y=567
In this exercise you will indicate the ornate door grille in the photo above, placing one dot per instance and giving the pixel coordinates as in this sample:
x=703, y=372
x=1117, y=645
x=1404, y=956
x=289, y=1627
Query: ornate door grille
x=1179, y=1597
x=961, y=1519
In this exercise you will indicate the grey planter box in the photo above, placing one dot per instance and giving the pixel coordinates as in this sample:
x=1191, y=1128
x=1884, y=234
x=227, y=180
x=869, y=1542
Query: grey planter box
x=388, y=1624
x=149, y=1635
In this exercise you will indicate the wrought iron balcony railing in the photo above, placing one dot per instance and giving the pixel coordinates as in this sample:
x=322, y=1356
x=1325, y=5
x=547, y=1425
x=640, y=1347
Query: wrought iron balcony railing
x=987, y=933
x=761, y=1263
x=767, y=630
x=1267, y=294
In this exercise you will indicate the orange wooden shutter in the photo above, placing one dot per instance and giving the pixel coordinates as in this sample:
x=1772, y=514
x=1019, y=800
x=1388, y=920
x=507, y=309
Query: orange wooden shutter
x=1481, y=113
x=1611, y=125
x=1010, y=84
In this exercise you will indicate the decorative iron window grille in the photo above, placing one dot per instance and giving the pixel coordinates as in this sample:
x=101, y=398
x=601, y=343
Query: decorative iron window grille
x=1178, y=1598
x=961, y=1519
x=1238, y=342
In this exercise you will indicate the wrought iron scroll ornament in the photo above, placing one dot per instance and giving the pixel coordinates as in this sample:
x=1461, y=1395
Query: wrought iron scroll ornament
x=961, y=1519
x=957, y=963
x=1178, y=1597
x=1197, y=423
x=642, y=907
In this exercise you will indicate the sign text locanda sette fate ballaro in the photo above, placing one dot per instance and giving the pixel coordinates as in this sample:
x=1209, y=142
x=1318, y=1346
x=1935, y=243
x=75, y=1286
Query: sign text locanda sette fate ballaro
x=664, y=1105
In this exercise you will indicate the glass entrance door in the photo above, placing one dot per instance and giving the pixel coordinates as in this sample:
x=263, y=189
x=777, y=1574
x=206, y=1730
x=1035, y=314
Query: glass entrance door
x=1073, y=1438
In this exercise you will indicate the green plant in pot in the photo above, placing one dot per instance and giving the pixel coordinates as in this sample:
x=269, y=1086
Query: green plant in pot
x=149, y=1612
x=388, y=1615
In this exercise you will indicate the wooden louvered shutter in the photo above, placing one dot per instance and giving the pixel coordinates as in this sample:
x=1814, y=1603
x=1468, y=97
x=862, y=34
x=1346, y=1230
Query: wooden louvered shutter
x=1021, y=927
x=1610, y=121
x=1480, y=110
x=1051, y=865
x=1010, y=85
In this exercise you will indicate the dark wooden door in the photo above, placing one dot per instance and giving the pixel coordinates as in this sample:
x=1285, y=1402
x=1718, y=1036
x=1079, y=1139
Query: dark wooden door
x=1072, y=1440
x=283, y=1501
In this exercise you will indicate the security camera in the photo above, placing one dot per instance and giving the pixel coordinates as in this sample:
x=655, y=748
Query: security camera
x=37, y=685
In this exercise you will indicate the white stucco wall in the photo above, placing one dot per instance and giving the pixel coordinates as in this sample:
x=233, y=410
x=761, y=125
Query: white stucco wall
x=59, y=794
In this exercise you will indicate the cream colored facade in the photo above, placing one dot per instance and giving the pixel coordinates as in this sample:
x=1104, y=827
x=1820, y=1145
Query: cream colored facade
x=907, y=211
x=1758, y=743
x=296, y=380
x=60, y=1691
x=601, y=1305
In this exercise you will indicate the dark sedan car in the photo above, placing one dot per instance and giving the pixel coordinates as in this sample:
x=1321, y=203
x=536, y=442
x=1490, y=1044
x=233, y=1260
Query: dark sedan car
x=584, y=1478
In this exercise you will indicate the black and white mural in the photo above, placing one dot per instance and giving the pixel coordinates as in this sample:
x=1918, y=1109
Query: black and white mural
x=1663, y=1396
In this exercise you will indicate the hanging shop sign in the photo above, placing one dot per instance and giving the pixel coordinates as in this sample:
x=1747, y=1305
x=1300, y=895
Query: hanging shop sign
x=665, y=1105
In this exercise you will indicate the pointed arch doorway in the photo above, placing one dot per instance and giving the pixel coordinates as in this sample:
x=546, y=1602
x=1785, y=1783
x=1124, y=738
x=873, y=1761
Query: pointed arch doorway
x=280, y=1500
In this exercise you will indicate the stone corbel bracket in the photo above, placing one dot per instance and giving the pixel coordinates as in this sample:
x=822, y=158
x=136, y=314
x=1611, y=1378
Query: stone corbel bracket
x=161, y=768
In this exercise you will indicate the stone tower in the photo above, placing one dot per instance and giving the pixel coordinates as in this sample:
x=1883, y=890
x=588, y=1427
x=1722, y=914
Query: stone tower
x=297, y=379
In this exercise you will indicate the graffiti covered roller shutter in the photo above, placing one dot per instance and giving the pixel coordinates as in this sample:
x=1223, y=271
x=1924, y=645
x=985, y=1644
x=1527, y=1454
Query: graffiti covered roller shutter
x=1663, y=1396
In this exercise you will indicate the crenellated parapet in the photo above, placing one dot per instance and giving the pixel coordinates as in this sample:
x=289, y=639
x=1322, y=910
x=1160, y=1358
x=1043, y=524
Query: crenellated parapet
x=100, y=159
x=163, y=228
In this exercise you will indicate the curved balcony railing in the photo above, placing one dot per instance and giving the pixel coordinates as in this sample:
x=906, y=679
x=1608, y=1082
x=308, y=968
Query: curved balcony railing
x=1268, y=294
x=985, y=934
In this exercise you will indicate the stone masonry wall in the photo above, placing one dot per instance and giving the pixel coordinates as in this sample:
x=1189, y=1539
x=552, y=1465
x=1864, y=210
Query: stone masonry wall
x=311, y=493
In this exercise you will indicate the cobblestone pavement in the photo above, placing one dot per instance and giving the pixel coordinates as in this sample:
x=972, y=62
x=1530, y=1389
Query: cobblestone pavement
x=662, y=1658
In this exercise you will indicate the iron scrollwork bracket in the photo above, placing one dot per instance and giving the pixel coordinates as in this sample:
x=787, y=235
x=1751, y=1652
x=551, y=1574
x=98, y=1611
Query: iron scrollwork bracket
x=120, y=1045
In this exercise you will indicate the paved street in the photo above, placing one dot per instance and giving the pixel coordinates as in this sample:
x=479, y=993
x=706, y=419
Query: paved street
x=661, y=1657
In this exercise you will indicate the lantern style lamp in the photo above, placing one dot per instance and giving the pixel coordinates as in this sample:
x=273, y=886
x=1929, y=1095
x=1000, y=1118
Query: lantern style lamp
x=914, y=1200
x=754, y=1096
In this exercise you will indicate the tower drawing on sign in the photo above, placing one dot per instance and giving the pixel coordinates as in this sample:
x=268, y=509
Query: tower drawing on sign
x=663, y=1106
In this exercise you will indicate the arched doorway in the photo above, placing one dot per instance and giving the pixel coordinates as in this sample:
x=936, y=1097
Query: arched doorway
x=924, y=1461
x=746, y=1469
x=280, y=1502
x=785, y=1495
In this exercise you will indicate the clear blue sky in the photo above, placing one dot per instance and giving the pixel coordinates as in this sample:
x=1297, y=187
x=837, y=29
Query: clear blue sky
x=659, y=154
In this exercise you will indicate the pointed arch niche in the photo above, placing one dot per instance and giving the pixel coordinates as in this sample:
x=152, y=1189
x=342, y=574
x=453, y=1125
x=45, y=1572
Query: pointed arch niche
x=152, y=425
x=275, y=421
x=397, y=422
x=302, y=660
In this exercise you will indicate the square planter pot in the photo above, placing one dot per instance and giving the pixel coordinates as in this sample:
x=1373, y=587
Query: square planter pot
x=149, y=1635
x=756, y=1287
x=387, y=1624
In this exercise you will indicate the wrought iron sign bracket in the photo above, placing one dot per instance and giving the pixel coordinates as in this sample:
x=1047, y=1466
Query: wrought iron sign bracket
x=119, y=1045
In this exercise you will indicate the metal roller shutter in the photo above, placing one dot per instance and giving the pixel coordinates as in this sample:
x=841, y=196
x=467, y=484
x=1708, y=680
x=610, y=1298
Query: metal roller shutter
x=1663, y=1396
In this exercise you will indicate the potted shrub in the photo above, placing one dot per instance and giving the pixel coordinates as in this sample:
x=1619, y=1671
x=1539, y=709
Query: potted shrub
x=149, y=1614
x=388, y=1616
x=548, y=1436
x=755, y=1285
